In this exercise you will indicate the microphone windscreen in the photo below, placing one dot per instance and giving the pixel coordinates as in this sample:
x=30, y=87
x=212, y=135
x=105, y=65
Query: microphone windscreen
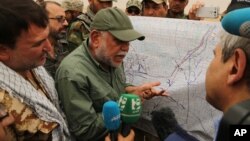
x=167, y=126
x=111, y=115
x=130, y=106
x=164, y=122
x=237, y=22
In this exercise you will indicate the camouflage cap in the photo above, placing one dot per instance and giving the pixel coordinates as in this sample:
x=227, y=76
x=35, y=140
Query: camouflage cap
x=116, y=22
x=75, y=5
x=157, y=1
x=135, y=3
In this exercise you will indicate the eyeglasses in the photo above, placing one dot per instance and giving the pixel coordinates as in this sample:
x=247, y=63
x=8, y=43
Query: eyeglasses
x=60, y=19
x=135, y=11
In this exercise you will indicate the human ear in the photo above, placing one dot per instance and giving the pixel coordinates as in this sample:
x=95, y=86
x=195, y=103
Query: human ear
x=4, y=53
x=95, y=38
x=237, y=66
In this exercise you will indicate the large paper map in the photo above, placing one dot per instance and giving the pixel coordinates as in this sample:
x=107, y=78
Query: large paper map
x=177, y=53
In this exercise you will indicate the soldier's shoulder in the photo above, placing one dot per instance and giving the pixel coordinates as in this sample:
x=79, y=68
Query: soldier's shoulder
x=83, y=17
x=75, y=25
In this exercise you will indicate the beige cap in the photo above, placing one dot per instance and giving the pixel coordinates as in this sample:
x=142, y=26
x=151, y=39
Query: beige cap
x=75, y=5
x=135, y=3
x=157, y=1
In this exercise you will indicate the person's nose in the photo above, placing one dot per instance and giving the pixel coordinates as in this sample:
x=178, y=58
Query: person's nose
x=65, y=23
x=125, y=46
x=150, y=11
x=47, y=46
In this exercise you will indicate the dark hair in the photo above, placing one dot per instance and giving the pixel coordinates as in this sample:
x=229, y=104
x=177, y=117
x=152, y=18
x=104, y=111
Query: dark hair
x=236, y=4
x=143, y=2
x=16, y=16
x=44, y=4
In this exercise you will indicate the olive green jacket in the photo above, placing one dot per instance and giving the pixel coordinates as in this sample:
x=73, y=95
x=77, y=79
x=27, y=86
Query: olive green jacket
x=83, y=87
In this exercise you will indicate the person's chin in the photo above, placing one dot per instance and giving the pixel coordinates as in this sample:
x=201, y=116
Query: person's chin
x=210, y=100
x=116, y=64
x=176, y=10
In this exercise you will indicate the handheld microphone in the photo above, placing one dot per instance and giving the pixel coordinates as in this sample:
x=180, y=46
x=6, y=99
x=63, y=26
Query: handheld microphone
x=112, y=118
x=167, y=127
x=130, y=106
x=237, y=22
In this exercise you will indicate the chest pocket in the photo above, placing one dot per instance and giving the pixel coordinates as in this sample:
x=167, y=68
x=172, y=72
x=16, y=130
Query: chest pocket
x=106, y=86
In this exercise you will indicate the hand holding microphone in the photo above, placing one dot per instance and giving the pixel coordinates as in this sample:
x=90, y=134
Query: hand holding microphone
x=130, y=137
x=112, y=118
x=130, y=106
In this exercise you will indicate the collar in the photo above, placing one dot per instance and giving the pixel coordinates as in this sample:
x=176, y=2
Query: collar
x=90, y=13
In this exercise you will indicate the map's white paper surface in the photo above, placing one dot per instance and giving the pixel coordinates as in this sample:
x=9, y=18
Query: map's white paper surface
x=176, y=53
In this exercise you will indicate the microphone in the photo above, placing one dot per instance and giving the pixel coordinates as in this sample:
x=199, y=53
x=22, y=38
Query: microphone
x=111, y=116
x=167, y=127
x=130, y=106
x=237, y=22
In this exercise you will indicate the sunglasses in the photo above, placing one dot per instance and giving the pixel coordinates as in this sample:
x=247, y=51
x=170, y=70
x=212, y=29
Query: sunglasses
x=60, y=19
x=135, y=11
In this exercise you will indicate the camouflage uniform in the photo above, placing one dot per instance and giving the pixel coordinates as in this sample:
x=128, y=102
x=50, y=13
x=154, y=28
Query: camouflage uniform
x=79, y=29
x=61, y=49
x=34, y=104
x=27, y=125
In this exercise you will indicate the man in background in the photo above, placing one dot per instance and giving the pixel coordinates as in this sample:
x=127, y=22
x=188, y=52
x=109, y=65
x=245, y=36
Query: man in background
x=154, y=8
x=177, y=7
x=73, y=8
x=159, y=8
x=133, y=8
x=80, y=29
x=57, y=36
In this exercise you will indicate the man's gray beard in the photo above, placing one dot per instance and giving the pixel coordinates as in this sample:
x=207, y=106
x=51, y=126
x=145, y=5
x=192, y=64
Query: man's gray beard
x=102, y=59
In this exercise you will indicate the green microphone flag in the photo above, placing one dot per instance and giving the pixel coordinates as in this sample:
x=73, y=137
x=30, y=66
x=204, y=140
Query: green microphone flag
x=130, y=106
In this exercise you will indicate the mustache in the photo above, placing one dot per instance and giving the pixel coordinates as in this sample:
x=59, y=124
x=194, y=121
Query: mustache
x=122, y=53
x=48, y=55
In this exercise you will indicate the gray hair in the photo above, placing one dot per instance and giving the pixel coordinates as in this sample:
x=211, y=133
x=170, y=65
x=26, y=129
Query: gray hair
x=231, y=42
